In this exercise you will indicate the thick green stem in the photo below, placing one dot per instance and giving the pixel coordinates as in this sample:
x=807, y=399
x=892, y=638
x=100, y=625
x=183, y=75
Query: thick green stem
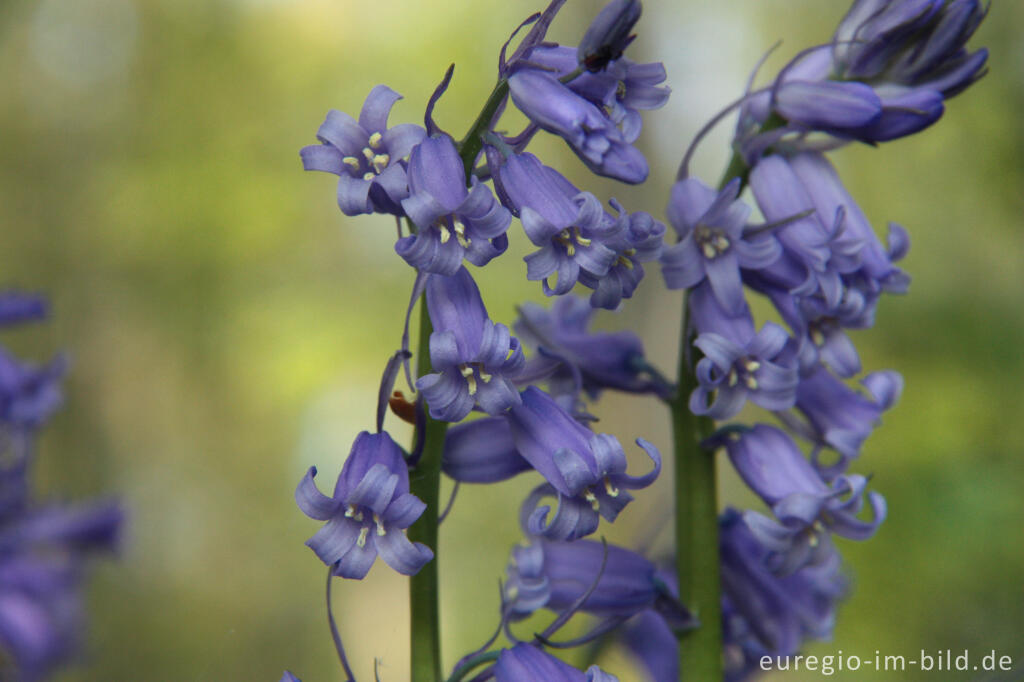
x=696, y=517
x=425, y=483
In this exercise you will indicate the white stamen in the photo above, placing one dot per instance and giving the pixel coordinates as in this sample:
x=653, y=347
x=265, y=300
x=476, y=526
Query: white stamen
x=709, y=251
x=611, y=490
x=361, y=540
x=380, y=526
x=590, y=497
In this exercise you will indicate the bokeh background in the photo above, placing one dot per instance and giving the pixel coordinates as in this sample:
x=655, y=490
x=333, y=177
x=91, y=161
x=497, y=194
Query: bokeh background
x=228, y=325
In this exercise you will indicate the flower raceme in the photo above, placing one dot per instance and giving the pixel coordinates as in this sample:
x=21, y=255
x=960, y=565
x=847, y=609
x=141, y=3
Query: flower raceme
x=366, y=515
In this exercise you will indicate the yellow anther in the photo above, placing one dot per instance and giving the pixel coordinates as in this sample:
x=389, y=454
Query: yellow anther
x=817, y=337
x=368, y=154
x=350, y=511
x=485, y=377
x=630, y=252
x=512, y=592
x=752, y=365
x=361, y=540
x=351, y=161
x=580, y=239
x=380, y=525
x=375, y=140
x=751, y=383
x=467, y=372
x=813, y=541
x=445, y=233
x=620, y=90
x=369, y=176
x=610, y=489
x=624, y=262
x=733, y=378
x=380, y=162
x=460, y=235
x=590, y=497
x=570, y=249
x=721, y=243
x=709, y=251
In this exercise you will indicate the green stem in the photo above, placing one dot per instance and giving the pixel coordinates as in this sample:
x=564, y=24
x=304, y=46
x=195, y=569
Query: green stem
x=425, y=483
x=473, y=142
x=696, y=517
x=474, y=662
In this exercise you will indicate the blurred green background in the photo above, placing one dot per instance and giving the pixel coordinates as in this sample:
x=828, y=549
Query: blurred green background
x=228, y=324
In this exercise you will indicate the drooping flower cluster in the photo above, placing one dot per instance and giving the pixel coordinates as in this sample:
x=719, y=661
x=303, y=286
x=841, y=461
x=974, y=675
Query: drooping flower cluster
x=44, y=546
x=815, y=258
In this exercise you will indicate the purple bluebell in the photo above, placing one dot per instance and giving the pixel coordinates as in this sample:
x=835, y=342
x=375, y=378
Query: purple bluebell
x=621, y=91
x=370, y=508
x=765, y=614
x=561, y=573
x=524, y=662
x=639, y=241
x=481, y=451
x=289, y=677
x=567, y=353
x=651, y=641
x=588, y=130
x=840, y=417
x=452, y=222
x=472, y=358
x=713, y=243
x=585, y=471
x=807, y=508
x=745, y=370
x=608, y=35
x=570, y=227
x=368, y=157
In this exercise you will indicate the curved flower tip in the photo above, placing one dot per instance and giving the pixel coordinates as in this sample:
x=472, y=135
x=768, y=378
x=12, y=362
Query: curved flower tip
x=586, y=472
x=288, y=677
x=473, y=358
x=367, y=513
x=368, y=157
x=453, y=223
x=525, y=662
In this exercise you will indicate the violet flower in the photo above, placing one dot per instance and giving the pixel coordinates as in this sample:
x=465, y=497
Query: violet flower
x=712, y=241
x=806, y=507
x=370, y=507
x=367, y=156
x=585, y=360
x=585, y=471
x=473, y=358
x=639, y=241
x=608, y=35
x=452, y=222
x=481, y=451
x=570, y=227
x=588, y=130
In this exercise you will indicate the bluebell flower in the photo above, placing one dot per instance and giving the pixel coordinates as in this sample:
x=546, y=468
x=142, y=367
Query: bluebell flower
x=807, y=508
x=638, y=241
x=713, y=243
x=585, y=471
x=569, y=354
x=368, y=157
x=525, y=662
x=766, y=614
x=588, y=130
x=368, y=512
x=473, y=358
x=556, y=575
x=481, y=451
x=653, y=643
x=16, y=307
x=452, y=222
x=289, y=677
x=570, y=227
x=608, y=34
x=840, y=417
x=739, y=371
x=621, y=91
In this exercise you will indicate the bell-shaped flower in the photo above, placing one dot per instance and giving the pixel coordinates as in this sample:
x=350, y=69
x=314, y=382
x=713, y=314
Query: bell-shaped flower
x=839, y=416
x=472, y=358
x=807, y=508
x=16, y=308
x=621, y=91
x=769, y=614
x=588, y=361
x=608, y=34
x=650, y=640
x=570, y=227
x=712, y=241
x=525, y=662
x=737, y=372
x=481, y=451
x=590, y=132
x=638, y=241
x=561, y=573
x=368, y=512
x=452, y=222
x=586, y=472
x=368, y=157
